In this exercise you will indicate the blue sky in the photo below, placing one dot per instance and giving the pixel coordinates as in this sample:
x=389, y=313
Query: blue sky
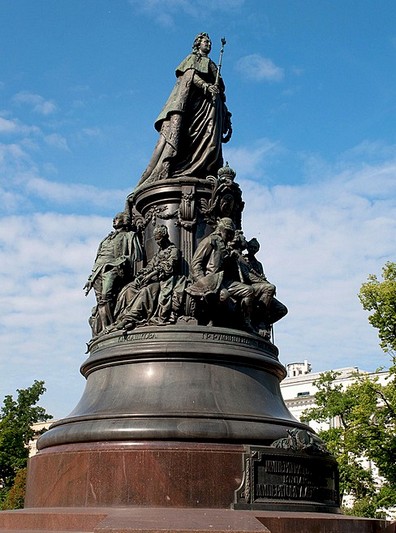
x=312, y=88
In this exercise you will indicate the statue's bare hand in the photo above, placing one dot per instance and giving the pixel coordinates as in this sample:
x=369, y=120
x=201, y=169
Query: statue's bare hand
x=213, y=89
x=87, y=287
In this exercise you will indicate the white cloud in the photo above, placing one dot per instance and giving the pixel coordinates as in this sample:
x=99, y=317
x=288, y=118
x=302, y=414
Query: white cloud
x=165, y=12
x=73, y=193
x=11, y=151
x=14, y=126
x=45, y=108
x=91, y=132
x=257, y=68
x=251, y=160
x=44, y=262
x=7, y=126
x=319, y=243
x=57, y=140
x=10, y=200
x=21, y=183
x=37, y=102
x=297, y=71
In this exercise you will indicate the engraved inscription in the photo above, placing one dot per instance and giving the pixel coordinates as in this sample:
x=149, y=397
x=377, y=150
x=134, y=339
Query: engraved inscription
x=280, y=479
x=289, y=479
x=138, y=337
x=224, y=337
x=282, y=491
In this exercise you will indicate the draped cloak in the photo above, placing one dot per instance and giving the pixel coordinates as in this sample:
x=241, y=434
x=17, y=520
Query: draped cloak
x=190, y=125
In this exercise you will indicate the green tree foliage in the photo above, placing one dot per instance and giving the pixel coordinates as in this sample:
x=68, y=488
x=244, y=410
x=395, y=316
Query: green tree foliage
x=380, y=298
x=16, y=420
x=362, y=416
x=338, y=406
x=14, y=499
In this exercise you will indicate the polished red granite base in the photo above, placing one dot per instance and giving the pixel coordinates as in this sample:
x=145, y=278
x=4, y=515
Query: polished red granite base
x=161, y=520
x=154, y=488
x=164, y=474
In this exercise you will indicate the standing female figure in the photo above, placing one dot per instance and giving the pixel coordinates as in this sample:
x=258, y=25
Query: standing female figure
x=194, y=121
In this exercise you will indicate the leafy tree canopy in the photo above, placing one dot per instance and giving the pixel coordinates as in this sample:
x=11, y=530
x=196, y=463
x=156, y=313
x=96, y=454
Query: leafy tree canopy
x=380, y=298
x=362, y=420
x=16, y=419
x=362, y=416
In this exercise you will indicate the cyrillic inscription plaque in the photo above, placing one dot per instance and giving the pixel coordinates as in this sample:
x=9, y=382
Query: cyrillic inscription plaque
x=277, y=477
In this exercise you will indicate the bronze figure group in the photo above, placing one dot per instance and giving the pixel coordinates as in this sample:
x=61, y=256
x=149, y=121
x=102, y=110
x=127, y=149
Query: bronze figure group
x=164, y=264
x=226, y=286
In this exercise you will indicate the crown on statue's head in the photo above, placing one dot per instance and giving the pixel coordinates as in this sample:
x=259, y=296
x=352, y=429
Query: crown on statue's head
x=226, y=172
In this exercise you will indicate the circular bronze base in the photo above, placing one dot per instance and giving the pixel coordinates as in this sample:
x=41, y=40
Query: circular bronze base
x=179, y=382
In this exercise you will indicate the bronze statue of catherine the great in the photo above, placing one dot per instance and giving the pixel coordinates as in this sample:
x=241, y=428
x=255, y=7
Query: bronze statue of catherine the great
x=194, y=121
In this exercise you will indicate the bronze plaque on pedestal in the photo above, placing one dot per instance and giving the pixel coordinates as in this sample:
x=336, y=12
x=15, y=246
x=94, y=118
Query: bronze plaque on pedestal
x=285, y=479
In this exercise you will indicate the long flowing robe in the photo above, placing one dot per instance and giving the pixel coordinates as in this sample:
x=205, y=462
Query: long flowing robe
x=191, y=125
x=161, y=299
x=119, y=252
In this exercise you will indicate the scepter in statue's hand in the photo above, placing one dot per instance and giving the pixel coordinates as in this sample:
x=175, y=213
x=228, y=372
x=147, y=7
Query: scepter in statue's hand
x=223, y=43
x=227, y=131
x=215, y=91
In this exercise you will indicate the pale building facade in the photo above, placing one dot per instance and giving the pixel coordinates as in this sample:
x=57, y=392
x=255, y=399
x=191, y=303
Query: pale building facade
x=298, y=391
x=298, y=388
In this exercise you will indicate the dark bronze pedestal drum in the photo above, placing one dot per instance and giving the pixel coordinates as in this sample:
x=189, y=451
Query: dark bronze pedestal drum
x=179, y=383
x=168, y=417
